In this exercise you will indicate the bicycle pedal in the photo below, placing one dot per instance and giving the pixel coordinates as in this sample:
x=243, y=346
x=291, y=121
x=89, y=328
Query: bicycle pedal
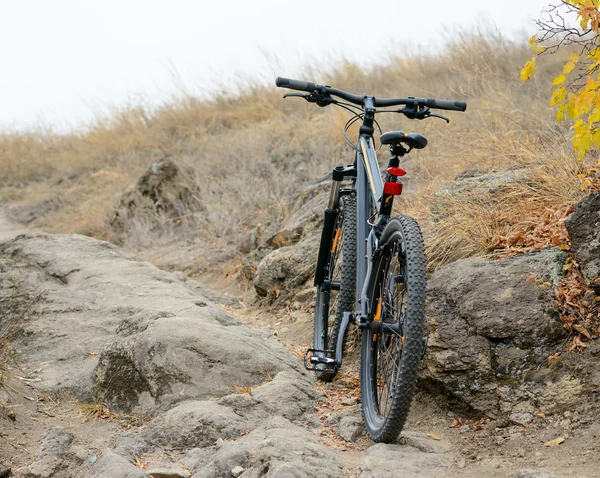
x=319, y=363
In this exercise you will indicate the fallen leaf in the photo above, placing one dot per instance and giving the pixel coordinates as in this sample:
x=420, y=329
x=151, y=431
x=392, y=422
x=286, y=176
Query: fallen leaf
x=433, y=436
x=582, y=330
x=555, y=442
x=540, y=414
x=554, y=356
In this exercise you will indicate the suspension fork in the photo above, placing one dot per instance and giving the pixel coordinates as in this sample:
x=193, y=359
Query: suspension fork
x=330, y=215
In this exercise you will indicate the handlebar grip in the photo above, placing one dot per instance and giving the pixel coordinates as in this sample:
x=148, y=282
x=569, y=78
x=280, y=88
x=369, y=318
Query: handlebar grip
x=447, y=105
x=296, y=84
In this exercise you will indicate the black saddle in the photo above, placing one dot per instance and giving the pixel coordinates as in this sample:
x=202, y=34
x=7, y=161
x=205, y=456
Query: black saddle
x=412, y=140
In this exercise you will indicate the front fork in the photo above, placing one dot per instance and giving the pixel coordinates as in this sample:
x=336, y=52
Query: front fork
x=339, y=174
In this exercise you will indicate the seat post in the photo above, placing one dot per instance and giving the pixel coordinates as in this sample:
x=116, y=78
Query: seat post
x=397, y=149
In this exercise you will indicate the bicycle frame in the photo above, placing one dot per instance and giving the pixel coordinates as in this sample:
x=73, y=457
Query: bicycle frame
x=368, y=187
x=369, y=190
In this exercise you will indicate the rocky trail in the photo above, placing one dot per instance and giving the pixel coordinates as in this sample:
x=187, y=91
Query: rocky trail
x=119, y=369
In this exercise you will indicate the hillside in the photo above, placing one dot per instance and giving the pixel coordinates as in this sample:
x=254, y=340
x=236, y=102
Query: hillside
x=242, y=157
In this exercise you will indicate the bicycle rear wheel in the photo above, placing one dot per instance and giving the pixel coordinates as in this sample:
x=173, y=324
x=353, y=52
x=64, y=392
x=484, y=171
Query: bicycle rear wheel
x=336, y=295
x=393, y=346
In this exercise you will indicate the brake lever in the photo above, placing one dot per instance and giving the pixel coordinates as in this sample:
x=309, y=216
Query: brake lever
x=435, y=115
x=297, y=95
x=321, y=99
x=420, y=113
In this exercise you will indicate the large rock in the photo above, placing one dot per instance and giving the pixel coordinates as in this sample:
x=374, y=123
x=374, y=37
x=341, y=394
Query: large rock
x=491, y=322
x=199, y=424
x=285, y=258
x=279, y=450
x=404, y=461
x=288, y=267
x=260, y=431
x=194, y=424
x=111, y=465
x=348, y=423
x=52, y=456
x=161, y=191
x=114, y=329
x=481, y=184
x=583, y=226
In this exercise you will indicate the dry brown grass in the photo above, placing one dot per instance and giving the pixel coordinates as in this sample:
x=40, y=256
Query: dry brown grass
x=248, y=153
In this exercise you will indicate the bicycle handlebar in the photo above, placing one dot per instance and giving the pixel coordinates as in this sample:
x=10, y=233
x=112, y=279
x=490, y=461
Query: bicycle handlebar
x=450, y=105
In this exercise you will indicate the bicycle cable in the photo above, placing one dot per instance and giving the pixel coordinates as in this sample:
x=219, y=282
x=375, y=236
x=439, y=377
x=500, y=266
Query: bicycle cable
x=351, y=121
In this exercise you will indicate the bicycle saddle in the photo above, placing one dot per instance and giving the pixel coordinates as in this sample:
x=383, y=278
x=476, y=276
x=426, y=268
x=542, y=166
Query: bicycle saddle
x=412, y=140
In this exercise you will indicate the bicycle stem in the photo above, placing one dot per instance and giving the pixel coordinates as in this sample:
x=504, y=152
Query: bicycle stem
x=369, y=108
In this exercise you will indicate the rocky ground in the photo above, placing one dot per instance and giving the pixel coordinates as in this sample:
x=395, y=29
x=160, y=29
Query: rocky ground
x=114, y=367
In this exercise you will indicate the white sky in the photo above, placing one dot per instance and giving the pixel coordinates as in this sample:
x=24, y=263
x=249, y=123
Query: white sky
x=63, y=60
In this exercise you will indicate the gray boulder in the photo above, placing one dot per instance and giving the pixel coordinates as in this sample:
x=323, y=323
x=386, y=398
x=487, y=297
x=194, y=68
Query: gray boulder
x=285, y=258
x=348, y=423
x=287, y=267
x=111, y=465
x=200, y=424
x=583, y=226
x=161, y=191
x=483, y=184
x=490, y=322
x=534, y=474
x=289, y=395
x=403, y=461
x=194, y=424
x=114, y=329
x=52, y=456
x=278, y=449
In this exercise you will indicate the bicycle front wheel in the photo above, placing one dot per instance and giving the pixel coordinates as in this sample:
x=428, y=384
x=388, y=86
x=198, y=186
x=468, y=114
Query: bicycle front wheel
x=392, y=347
x=336, y=295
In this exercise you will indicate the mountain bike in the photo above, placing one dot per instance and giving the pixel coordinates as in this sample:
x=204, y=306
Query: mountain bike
x=370, y=266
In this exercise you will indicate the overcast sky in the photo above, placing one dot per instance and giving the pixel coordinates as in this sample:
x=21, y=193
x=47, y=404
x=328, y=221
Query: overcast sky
x=63, y=60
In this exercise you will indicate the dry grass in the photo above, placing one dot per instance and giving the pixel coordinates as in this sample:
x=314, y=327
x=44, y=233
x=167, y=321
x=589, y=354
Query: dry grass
x=247, y=153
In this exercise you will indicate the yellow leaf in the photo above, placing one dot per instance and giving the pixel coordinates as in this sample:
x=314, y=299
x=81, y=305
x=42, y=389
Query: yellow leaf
x=568, y=68
x=555, y=442
x=571, y=106
x=560, y=113
x=585, y=101
x=574, y=58
x=596, y=138
x=585, y=185
x=558, y=95
x=533, y=43
x=559, y=80
x=435, y=437
x=594, y=116
x=528, y=70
